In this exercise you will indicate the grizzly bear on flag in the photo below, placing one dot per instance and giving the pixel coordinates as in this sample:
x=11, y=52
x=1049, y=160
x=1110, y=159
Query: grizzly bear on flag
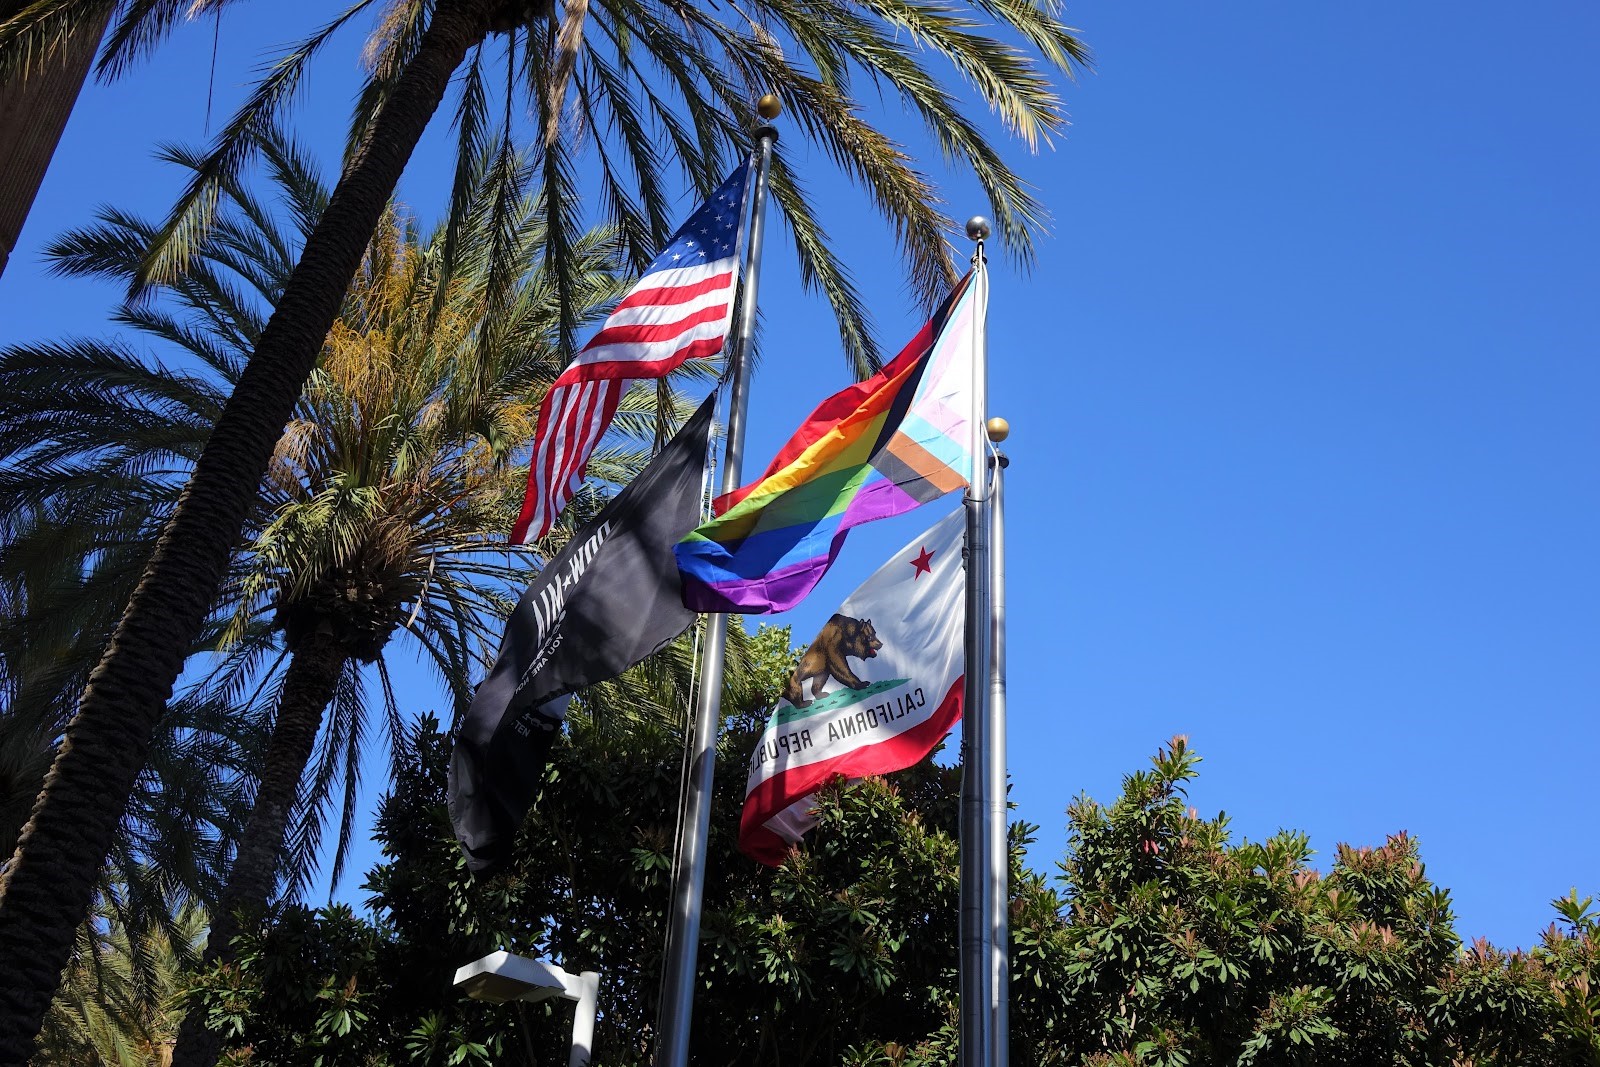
x=828, y=657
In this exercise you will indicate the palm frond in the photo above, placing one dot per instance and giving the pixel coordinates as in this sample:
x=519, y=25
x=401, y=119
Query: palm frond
x=240, y=139
x=472, y=147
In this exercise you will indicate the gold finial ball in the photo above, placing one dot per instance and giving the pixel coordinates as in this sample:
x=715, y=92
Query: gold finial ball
x=999, y=429
x=769, y=106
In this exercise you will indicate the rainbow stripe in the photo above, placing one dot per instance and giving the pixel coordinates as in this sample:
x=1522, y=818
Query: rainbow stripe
x=879, y=448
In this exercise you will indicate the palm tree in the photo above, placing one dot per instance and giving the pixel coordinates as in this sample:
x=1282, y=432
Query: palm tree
x=46, y=52
x=118, y=1002
x=388, y=497
x=668, y=72
x=34, y=106
x=190, y=803
x=384, y=506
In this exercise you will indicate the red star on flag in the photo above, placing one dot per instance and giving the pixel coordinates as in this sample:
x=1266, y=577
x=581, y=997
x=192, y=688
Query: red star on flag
x=922, y=564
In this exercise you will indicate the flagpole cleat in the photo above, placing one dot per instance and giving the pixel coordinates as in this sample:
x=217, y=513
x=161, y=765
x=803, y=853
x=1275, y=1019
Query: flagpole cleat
x=978, y=228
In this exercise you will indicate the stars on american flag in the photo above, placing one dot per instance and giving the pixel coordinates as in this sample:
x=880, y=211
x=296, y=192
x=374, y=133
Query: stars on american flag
x=711, y=233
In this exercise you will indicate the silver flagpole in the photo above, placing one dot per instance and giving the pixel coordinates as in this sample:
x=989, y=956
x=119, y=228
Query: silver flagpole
x=978, y=994
x=999, y=872
x=676, y=1010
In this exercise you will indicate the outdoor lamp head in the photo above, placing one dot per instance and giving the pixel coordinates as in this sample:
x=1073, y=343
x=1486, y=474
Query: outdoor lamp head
x=500, y=977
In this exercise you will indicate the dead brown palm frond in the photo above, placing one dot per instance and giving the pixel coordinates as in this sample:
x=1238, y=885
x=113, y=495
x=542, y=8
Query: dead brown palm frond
x=568, y=39
x=390, y=40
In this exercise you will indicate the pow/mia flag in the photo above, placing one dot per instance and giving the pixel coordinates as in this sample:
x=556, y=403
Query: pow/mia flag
x=608, y=600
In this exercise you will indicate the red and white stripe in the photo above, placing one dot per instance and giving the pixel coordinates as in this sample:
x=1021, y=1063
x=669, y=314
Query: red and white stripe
x=778, y=809
x=671, y=316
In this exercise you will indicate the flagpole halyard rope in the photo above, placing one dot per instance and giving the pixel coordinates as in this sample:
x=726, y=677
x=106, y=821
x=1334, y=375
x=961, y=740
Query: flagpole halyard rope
x=706, y=473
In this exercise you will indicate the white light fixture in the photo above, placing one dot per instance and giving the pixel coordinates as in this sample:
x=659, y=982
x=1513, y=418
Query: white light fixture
x=501, y=976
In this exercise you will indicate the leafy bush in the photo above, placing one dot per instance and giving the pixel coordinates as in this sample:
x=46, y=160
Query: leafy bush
x=1163, y=942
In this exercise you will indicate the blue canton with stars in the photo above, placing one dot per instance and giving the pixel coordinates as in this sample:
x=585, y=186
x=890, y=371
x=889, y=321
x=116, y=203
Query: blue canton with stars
x=712, y=233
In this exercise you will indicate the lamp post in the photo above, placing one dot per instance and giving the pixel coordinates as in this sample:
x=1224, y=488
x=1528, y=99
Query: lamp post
x=501, y=976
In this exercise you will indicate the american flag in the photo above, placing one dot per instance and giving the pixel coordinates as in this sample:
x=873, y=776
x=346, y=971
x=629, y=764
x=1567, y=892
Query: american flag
x=680, y=310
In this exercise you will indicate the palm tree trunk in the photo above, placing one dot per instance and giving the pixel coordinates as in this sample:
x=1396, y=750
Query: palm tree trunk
x=308, y=688
x=46, y=888
x=33, y=111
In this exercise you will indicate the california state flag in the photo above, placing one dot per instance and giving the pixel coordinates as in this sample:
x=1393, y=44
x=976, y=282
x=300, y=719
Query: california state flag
x=875, y=692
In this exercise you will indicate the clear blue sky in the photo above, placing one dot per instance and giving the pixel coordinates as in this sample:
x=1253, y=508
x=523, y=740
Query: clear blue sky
x=1302, y=389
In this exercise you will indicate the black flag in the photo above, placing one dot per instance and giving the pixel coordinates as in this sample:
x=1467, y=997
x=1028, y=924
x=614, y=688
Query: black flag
x=608, y=600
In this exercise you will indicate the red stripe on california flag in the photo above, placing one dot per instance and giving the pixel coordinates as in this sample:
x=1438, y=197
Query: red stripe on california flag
x=761, y=844
x=785, y=787
x=673, y=294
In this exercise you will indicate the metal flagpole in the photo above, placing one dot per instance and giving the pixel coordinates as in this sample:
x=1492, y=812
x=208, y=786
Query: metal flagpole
x=676, y=1009
x=979, y=996
x=999, y=855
